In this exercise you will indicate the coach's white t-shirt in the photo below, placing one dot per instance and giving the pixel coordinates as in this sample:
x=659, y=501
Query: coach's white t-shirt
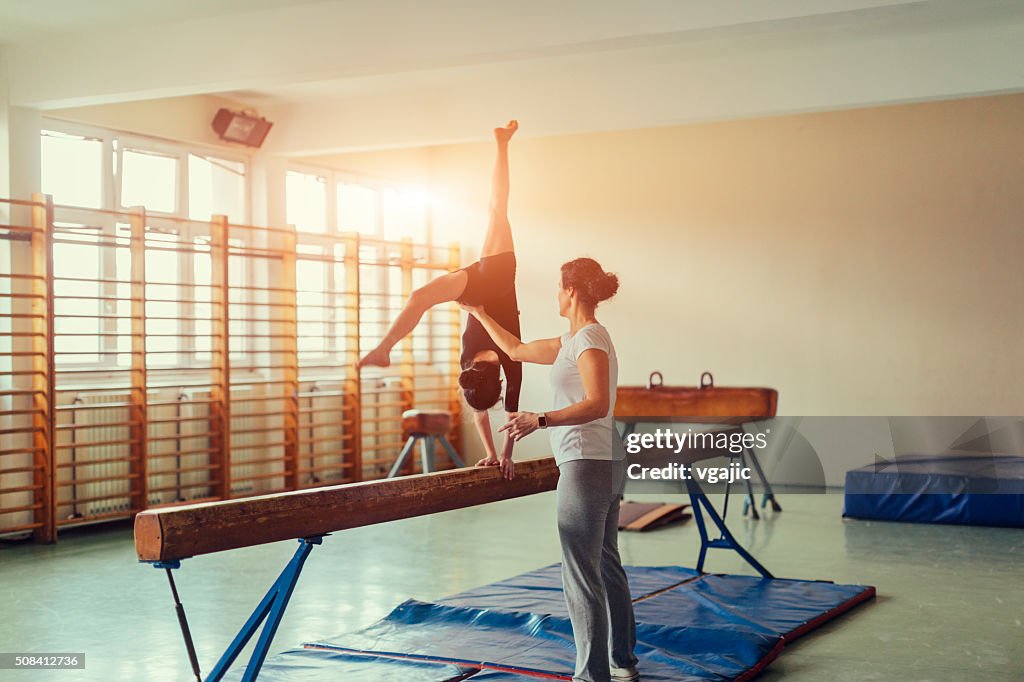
x=597, y=439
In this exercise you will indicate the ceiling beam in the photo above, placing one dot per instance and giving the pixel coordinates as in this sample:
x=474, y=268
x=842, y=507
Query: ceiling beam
x=663, y=86
x=330, y=40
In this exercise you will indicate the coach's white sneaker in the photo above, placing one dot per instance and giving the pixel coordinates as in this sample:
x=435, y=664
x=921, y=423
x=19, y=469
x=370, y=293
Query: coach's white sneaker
x=625, y=674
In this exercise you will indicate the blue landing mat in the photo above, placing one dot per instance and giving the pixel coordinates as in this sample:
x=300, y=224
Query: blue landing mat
x=977, y=490
x=689, y=628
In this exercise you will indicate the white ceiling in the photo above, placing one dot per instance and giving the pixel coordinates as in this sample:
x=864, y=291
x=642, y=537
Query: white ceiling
x=25, y=21
x=346, y=74
x=640, y=51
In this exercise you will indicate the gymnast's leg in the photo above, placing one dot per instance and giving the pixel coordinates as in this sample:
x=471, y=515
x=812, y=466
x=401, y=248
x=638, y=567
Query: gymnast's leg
x=499, y=232
x=440, y=290
x=451, y=286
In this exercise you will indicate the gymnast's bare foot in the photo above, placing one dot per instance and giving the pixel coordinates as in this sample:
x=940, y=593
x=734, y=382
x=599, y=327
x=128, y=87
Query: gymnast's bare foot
x=505, y=134
x=378, y=357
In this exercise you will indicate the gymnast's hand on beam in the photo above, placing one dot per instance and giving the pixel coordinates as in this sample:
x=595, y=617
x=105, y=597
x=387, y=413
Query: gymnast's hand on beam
x=490, y=460
x=508, y=467
x=521, y=424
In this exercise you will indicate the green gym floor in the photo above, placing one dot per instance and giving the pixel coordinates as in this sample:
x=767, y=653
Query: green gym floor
x=950, y=600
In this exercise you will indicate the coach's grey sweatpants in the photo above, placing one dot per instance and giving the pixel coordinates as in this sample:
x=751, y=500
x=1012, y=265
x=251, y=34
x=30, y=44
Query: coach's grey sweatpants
x=596, y=590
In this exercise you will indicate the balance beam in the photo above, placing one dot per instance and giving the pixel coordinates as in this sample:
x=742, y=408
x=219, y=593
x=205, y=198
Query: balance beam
x=173, y=533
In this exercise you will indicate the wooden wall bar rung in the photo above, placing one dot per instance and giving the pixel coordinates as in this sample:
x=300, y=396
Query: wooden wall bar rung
x=325, y=454
x=97, y=425
x=261, y=446
x=22, y=451
x=261, y=477
x=96, y=479
x=184, y=486
x=114, y=515
x=92, y=462
x=182, y=453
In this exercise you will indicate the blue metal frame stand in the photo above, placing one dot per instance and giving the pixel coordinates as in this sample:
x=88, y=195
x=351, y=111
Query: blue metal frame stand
x=725, y=540
x=702, y=505
x=270, y=609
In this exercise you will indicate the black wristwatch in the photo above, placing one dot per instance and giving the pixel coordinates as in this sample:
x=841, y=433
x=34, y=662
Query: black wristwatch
x=542, y=421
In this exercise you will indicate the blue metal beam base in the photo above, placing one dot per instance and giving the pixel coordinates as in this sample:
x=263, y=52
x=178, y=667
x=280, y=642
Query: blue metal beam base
x=272, y=609
x=701, y=504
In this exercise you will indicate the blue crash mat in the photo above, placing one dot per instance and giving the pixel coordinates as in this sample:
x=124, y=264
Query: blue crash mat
x=982, y=490
x=540, y=591
x=542, y=644
x=690, y=628
x=309, y=665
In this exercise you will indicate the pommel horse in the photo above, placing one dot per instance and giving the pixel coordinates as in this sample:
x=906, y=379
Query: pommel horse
x=703, y=404
x=165, y=536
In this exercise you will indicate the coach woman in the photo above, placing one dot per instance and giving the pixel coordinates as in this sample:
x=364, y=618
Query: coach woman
x=592, y=468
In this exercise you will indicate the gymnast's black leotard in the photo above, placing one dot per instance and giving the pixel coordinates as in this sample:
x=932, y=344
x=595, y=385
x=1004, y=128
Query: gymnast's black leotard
x=492, y=283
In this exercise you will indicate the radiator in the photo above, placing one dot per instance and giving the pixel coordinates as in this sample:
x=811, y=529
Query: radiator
x=179, y=448
x=92, y=458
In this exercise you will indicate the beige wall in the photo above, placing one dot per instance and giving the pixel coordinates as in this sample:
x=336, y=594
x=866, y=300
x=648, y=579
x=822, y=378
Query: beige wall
x=862, y=262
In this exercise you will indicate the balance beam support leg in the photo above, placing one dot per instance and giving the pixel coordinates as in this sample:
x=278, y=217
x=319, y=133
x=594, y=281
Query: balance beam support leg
x=270, y=609
x=179, y=608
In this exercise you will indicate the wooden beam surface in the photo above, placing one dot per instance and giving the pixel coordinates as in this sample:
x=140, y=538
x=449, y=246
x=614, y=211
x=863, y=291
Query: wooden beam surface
x=183, y=531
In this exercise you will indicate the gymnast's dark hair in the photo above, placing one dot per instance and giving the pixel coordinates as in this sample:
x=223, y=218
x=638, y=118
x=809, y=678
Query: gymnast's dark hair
x=588, y=278
x=481, y=385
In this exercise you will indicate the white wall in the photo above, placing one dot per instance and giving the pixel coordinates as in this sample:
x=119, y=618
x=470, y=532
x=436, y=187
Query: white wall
x=861, y=262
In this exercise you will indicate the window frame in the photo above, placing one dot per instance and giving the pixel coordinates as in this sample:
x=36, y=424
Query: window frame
x=334, y=179
x=114, y=144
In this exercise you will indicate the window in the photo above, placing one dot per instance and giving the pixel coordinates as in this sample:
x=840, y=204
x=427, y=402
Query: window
x=216, y=187
x=162, y=264
x=323, y=205
x=321, y=202
x=72, y=169
x=149, y=179
x=77, y=287
x=404, y=213
x=357, y=209
x=90, y=168
x=312, y=311
x=306, y=202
